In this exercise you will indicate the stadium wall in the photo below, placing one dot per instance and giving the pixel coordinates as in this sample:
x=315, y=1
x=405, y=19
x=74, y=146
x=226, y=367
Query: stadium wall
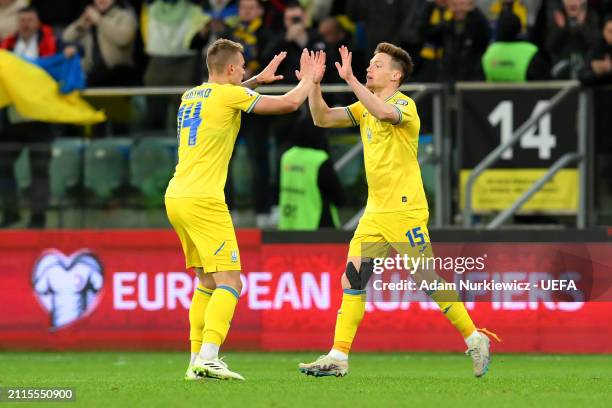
x=128, y=290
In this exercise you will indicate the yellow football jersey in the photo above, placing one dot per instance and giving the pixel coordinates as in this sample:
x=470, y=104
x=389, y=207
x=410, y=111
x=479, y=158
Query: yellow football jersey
x=207, y=125
x=390, y=155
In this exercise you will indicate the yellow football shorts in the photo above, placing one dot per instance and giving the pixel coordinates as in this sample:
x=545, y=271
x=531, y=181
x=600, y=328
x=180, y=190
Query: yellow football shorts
x=206, y=232
x=378, y=233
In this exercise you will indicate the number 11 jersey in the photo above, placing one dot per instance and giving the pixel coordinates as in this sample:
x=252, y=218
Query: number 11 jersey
x=207, y=126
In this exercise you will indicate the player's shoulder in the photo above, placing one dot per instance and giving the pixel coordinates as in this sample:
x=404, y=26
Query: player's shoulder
x=230, y=88
x=400, y=99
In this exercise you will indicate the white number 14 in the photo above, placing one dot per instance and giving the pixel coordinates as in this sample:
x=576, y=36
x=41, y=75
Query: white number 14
x=537, y=137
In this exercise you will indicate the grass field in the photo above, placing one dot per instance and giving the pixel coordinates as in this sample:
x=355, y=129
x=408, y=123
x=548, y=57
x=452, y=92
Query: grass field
x=375, y=380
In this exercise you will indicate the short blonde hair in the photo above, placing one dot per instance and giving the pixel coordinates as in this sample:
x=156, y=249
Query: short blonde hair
x=219, y=54
x=399, y=56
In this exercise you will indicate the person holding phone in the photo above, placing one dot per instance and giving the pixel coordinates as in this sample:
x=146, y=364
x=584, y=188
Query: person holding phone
x=297, y=36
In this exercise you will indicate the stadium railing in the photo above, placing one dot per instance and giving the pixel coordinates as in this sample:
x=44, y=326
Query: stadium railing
x=439, y=158
x=444, y=103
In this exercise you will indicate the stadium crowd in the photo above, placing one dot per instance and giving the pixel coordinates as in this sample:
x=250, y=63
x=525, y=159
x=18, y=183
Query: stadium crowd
x=162, y=43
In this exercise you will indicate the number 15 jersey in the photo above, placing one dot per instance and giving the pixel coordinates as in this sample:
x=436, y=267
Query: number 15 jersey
x=207, y=125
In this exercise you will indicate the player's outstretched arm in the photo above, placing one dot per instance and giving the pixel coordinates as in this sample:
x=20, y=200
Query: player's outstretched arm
x=292, y=100
x=376, y=106
x=268, y=74
x=323, y=115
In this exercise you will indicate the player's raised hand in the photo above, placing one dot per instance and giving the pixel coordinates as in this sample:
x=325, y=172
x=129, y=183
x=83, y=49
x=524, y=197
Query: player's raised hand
x=306, y=65
x=345, y=70
x=268, y=74
x=319, y=66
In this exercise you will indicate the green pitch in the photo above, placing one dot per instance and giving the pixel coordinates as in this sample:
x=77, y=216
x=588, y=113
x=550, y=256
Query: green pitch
x=375, y=380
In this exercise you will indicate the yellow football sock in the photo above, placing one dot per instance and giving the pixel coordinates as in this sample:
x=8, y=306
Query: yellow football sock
x=219, y=314
x=454, y=310
x=349, y=317
x=201, y=297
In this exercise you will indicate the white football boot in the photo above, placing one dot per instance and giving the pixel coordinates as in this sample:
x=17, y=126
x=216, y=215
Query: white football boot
x=325, y=366
x=479, y=351
x=191, y=375
x=215, y=368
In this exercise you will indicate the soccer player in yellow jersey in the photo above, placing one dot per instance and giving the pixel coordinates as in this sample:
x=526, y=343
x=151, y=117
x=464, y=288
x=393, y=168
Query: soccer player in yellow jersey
x=208, y=123
x=396, y=213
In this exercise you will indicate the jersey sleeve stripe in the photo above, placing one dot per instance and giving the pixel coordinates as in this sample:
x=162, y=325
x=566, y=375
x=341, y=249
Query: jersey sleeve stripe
x=399, y=120
x=253, y=104
x=351, y=116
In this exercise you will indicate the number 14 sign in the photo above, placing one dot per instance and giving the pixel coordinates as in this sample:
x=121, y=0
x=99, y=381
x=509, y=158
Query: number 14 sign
x=488, y=118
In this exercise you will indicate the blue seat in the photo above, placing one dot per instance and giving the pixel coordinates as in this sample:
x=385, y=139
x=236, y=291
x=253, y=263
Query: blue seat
x=106, y=165
x=65, y=168
x=152, y=164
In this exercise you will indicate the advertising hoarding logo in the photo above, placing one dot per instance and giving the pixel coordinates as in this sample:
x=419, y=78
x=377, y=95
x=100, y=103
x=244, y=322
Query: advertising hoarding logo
x=68, y=287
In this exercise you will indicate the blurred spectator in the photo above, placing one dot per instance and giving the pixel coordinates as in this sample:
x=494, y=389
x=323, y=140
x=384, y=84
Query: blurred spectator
x=250, y=32
x=32, y=39
x=510, y=59
x=516, y=7
x=574, y=30
x=309, y=186
x=389, y=20
x=8, y=16
x=430, y=28
x=295, y=38
x=316, y=11
x=598, y=69
x=106, y=31
x=539, y=20
x=220, y=16
x=274, y=14
x=464, y=40
x=224, y=11
x=253, y=35
x=59, y=13
x=321, y=9
x=168, y=30
x=534, y=16
x=335, y=33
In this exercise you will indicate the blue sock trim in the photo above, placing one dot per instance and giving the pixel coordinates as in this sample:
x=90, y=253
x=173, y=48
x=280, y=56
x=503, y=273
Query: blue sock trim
x=354, y=291
x=207, y=292
x=230, y=290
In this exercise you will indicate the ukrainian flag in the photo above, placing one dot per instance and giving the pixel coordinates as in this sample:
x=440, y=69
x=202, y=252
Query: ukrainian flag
x=35, y=94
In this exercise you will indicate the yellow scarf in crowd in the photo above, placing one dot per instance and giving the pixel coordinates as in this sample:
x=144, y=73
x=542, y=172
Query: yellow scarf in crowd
x=35, y=94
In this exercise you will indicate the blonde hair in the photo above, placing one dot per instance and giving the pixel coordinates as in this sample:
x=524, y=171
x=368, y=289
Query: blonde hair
x=220, y=53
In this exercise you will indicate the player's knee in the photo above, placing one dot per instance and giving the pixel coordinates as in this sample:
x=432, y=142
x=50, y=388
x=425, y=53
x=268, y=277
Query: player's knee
x=237, y=284
x=359, y=279
x=352, y=275
x=230, y=278
x=365, y=272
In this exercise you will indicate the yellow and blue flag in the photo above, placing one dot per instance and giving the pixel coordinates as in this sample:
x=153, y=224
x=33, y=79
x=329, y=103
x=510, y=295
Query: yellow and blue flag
x=36, y=95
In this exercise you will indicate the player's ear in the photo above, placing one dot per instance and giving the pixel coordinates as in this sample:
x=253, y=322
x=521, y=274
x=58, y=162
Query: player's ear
x=396, y=75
